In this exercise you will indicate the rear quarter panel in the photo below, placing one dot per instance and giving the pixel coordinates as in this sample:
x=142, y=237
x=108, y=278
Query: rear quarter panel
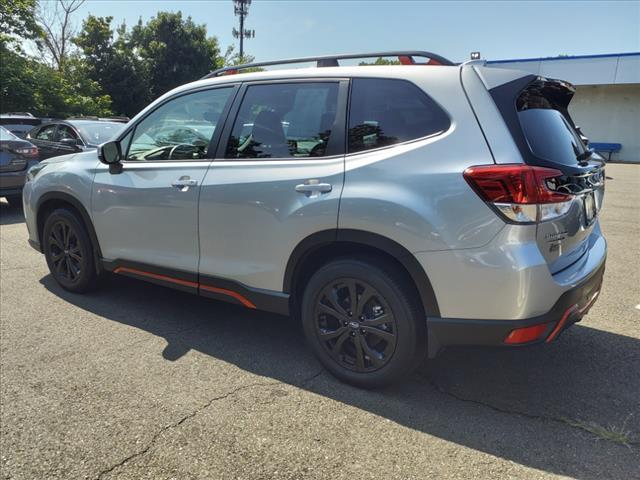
x=414, y=193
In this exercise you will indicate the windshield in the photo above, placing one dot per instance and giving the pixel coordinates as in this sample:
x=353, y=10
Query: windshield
x=6, y=135
x=98, y=132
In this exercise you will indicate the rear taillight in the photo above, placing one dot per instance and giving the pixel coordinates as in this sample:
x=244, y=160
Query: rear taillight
x=522, y=193
x=29, y=152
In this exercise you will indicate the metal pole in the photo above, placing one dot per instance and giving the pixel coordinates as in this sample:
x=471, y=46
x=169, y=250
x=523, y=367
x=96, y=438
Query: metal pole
x=242, y=32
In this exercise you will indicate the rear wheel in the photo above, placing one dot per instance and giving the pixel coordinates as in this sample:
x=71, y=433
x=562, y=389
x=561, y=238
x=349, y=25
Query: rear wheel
x=363, y=322
x=69, y=252
x=14, y=200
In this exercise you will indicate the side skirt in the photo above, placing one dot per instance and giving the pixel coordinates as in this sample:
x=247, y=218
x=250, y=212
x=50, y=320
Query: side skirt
x=204, y=285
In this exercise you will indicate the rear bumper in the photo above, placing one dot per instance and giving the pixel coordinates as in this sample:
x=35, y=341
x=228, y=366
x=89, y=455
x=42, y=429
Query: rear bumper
x=569, y=309
x=12, y=183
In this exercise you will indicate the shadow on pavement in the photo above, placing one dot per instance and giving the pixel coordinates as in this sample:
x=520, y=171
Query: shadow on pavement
x=10, y=215
x=529, y=406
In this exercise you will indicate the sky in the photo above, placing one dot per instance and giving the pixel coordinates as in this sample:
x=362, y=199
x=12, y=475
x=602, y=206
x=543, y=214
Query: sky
x=498, y=29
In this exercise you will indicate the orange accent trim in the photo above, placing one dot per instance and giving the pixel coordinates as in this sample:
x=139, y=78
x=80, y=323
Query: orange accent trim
x=568, y=313
x=561, y=323
x=185, y=283
x=244, y=301
x=230, y=293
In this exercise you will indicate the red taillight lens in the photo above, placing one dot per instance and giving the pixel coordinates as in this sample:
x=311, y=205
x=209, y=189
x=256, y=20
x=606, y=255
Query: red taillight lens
x=526, y=334
x=29, y=152
x=519, y=191
x=521, y=184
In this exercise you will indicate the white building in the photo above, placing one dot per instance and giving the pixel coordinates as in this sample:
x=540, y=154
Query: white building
x=607, y=101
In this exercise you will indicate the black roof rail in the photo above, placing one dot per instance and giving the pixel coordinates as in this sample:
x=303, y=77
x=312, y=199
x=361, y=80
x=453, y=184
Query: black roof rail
x=405, y=57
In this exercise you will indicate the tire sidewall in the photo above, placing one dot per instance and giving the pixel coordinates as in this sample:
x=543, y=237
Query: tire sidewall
x=411, y=340
x=88, y=275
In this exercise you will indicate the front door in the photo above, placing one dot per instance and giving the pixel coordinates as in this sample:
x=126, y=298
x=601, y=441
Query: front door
x=277, y=179
x=148, y=213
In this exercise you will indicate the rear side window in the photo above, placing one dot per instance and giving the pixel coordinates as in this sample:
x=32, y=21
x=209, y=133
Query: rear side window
x=284, y=120
x=385, y=112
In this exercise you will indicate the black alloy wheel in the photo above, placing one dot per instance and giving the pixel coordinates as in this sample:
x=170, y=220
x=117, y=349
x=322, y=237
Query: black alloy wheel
x=355, y=325
x=69, y=251
x=364, y=321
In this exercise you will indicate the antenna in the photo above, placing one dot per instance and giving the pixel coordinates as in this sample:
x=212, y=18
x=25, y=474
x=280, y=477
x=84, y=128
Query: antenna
x=241, y=9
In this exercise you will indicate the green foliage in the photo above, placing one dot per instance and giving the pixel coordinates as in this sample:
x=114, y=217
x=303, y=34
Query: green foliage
x=176, y=51
x=123, y=75
x=113, y=72
x=381, y=61
x=17, y=20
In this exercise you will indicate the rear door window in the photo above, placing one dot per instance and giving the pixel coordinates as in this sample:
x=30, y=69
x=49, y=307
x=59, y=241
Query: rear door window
x=284, y=120
x=385, y=112
x=46, y=133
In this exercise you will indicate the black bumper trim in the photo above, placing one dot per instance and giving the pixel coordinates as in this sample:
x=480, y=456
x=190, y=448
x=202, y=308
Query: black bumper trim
x=444, y=332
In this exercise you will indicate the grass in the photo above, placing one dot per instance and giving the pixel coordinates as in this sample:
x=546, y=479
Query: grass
x=621, y=435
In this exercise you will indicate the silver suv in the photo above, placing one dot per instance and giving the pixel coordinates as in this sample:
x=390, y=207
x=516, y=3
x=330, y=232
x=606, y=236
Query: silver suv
x=395, y=210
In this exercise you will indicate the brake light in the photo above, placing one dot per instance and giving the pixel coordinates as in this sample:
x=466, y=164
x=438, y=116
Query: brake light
x=29, y=152
x=522, y=193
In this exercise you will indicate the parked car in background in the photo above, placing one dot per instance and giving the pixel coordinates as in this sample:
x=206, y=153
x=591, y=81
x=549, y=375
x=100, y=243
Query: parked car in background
x=16, y=156
x=62, y=137
x=19, y=123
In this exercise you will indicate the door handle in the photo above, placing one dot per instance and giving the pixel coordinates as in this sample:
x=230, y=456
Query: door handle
x=183, y=183
x=311, y=187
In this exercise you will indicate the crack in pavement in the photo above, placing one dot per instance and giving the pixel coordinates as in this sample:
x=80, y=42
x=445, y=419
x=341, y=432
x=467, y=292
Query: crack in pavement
x=186, y=417
x=567, y=422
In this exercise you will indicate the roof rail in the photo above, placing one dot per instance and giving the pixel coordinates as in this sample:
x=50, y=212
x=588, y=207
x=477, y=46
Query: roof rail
x=405, y=57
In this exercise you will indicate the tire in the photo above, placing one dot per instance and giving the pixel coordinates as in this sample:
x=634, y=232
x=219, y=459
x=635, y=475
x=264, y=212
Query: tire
x=389, y=351
x=69, y=252
x=14, y=200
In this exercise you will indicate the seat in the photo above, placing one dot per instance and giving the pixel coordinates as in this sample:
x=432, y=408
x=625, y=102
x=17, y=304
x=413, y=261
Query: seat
x=268, y=136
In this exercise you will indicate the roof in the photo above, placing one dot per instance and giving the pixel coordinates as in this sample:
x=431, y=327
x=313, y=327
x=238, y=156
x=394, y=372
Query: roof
x=601, y=69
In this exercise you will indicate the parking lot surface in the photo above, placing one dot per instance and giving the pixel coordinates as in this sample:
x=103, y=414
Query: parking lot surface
x=136, y=381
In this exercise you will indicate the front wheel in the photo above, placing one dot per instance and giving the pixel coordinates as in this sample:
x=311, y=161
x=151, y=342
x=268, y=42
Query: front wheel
x=69, y=252
x=363, y=321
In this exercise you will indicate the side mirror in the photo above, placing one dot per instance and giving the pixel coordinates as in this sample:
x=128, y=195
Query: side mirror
x=110, y=154
x=70, y=142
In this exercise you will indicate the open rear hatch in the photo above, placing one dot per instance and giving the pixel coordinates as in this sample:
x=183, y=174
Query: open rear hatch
x=536, y=112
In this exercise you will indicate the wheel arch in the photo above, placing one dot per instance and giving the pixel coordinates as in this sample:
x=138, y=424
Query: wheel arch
x=325, y=245
x=53, y=200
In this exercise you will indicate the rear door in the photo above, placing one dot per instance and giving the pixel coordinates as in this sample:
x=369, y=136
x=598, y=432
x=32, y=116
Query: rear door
x=276, y=179
x=45, y=139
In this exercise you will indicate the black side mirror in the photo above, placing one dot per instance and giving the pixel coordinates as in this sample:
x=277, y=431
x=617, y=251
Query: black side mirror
x=70, y=142
x=110, y=154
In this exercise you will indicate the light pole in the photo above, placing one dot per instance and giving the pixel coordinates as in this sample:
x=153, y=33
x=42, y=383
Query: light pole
x=241, y=9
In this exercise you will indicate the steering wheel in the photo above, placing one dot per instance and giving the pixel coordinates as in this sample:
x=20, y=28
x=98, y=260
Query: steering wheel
x=175, y=147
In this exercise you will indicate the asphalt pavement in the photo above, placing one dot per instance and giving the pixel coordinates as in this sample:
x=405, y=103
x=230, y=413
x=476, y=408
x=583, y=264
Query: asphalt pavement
x=137, y=381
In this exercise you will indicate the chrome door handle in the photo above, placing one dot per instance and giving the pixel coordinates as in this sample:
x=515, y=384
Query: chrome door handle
x=310, y=187
x=183, y=183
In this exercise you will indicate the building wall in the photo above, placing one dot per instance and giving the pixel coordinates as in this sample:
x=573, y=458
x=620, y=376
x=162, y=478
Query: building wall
x=610, y=113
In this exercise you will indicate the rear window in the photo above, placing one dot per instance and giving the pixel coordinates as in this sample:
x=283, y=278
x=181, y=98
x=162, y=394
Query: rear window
x=6, y=135
x=547, y=129
x=386, y=111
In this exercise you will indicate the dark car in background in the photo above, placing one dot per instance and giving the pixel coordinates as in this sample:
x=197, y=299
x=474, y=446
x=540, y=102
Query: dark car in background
x=19, y=123
x=16, y=157
x=61, y=137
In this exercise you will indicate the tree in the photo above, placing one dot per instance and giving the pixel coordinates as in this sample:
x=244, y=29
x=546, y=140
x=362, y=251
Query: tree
x=54, y=18
x=114, y=65
x=176, y=51
x=382, y=61
x=17, y=21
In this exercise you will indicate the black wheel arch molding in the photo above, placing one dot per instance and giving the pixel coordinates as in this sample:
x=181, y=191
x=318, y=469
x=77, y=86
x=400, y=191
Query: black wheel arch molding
x=344, y=236
x=59, y=199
